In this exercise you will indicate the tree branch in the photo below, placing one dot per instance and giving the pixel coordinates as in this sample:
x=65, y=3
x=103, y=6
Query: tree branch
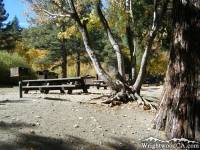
x=155, y=27
x=54, y=15
x=114, y=44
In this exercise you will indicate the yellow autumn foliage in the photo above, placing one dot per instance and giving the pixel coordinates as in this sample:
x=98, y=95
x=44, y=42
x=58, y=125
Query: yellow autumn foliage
x=92, y=23
x=158, y=65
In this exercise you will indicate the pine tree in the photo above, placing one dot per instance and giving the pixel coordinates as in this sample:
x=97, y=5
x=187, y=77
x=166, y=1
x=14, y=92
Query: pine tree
x=14, y=28
x=3, y=14
x=12, y=34
x=3, y=18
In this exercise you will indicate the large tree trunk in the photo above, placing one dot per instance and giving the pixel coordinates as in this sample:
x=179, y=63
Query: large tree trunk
x=64, y=58
x=178, y=114
x=78, y=64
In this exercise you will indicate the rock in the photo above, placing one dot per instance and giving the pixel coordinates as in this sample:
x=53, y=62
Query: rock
x=121, y=145
x=148, y=129
x=31, y=131
x=37, y=116
x=124, y=115
x=76, y=126
x=32, y=124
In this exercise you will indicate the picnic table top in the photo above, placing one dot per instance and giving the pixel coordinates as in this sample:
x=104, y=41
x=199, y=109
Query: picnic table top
x=56, y=79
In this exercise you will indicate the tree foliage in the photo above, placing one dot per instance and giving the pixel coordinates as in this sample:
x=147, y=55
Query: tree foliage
x=8, y=61
x=46, y=37
x=81, y=14
x=3, y=18
x=3, y=14
x=13, y=34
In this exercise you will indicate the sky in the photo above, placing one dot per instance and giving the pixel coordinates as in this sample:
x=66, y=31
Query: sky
x=15, y=7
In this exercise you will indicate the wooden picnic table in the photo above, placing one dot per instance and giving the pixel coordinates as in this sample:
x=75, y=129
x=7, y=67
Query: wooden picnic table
x=100, y=83
x=62, y=84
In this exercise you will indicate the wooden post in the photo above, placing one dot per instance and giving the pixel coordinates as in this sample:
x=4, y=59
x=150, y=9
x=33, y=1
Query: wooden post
x=20, y=87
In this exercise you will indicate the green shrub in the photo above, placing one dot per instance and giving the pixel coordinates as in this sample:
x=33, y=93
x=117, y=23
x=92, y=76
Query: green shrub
x=8, y=61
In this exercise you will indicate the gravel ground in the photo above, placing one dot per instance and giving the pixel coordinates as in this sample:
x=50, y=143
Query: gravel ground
x=57, y=121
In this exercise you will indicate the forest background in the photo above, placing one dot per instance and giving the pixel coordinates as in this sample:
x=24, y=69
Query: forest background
x=47, y=46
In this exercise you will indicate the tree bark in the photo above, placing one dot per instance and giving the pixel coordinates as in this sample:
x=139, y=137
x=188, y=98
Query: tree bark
x=78, y=64
x=178, y=114
x=64, y=59
x=131, y=39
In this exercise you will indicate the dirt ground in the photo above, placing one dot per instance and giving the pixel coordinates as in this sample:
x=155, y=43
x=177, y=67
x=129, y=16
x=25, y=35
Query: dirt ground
x=58, y=121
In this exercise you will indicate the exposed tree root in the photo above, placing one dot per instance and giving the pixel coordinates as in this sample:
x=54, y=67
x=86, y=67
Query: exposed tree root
x=146, y=104
x=127, y=94
x=100, y=97
x=120, y=98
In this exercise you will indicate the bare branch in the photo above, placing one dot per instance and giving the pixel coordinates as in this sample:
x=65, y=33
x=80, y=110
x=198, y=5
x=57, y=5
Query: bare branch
x=54, y=15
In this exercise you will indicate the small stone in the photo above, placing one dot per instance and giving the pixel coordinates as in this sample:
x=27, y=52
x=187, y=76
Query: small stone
x=32, y=132
x=121, y=144
x=72, y=141
x=113, y=132
x=76, y=126
x=37, y=116
x=148, y=129
x=57, y=134
x=32, y=124
x=124, y=115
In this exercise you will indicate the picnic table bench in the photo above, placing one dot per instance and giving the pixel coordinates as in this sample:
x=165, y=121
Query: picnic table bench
x=62, y=84
x=100, y=83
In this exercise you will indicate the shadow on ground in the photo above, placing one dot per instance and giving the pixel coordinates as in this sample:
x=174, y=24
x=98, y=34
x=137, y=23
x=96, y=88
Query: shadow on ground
x=12, y=101
x=26, y=141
